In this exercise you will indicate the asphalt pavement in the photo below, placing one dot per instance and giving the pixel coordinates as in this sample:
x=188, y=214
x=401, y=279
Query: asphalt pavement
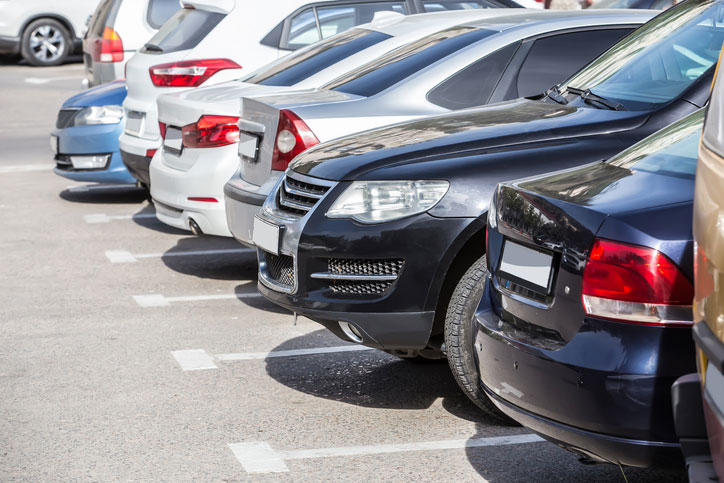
x=131, y=351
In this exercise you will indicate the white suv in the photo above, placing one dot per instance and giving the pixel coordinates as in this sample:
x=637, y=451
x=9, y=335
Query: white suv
x=44, y=32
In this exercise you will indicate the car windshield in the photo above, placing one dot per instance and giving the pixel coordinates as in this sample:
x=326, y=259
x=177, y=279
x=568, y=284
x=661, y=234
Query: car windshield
x=306, y=62
x=658, y=61
x=401, y=63
x=671, y=151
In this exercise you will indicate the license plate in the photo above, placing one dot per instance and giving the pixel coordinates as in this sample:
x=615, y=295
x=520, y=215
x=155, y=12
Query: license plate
x=134, y=122
x=526, y=264
x=54, y=144
x=248, y=146
x=266, y=236
x=173, y=140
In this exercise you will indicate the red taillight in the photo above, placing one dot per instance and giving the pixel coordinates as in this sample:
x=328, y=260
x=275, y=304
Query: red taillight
x=293, y=137
x=211, y=131
x=634, y=283
x=203, y=199
x=188, y=73
x=151, y=153
x=162, y=128
x=111, y=47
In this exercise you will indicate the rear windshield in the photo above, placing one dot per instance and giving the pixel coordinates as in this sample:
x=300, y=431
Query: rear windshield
x=304, y=63
x=183, y=31
x=671, y=151
x=159, y=11
x=105, y=15
x=405, y=61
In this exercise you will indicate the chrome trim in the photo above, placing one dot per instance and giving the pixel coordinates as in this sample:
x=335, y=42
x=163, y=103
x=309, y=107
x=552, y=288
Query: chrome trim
x=354, y=278
x=308, y=179
x=518, y=298
x=270, y=283
x=299, y=192
x=293, y=204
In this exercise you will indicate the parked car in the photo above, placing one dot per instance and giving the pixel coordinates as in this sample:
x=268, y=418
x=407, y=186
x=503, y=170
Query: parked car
x=476, y=63
x=85, y=138
x=379, y=236
x=697, y=397
x=200, y=130
x=117, y=29
x=585, y=318
x=44, y=32
x=209, y=42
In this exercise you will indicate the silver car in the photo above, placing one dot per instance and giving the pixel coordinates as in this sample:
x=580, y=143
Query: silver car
x=521, y=54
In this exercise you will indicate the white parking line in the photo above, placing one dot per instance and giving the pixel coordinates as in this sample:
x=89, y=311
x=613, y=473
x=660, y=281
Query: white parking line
x=290, y=353
x=24, y=168
x=122, y=256
x=103, y=218
x=157, y=300
x=260, y=457
x=45, y=80
x=103, y=187
x=194, y=360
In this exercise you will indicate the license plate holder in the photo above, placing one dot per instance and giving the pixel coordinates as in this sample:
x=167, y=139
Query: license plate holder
x=173, y=141
x=248, y=147
x=526, y=266
x=266, y=235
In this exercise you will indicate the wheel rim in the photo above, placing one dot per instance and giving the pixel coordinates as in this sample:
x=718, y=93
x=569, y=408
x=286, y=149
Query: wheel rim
x=47, y=43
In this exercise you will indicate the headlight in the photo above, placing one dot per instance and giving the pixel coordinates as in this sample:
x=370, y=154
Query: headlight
x=97, y=115
x=380, y=201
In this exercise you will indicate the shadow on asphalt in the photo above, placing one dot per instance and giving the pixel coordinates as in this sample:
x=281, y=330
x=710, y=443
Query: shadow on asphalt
x=259, y=303
x=100, y=195
x=152, y=223
x=220, y=266
x=370, y=379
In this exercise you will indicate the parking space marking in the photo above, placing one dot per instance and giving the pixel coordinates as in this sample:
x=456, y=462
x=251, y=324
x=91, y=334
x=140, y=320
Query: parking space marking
x=103, y=218
x=260, y=457
x=45, y=80
x=24, y=168
x=158, y=300
x=122, y=256
x=290, y=353
x=194, y=360
x=103, y=187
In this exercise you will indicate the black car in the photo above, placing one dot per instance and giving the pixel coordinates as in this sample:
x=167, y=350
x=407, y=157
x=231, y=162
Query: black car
x=380, y=236
x=585, y=321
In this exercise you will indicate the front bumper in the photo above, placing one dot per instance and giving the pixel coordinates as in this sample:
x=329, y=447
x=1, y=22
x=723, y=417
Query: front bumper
x=395, y=314
x=605, y=394
x=243, y=202
x=171, y=189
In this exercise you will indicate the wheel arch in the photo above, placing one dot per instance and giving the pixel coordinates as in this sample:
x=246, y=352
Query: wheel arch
x=55, y=16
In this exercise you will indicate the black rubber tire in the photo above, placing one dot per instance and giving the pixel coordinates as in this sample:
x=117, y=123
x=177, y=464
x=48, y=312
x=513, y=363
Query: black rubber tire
x=459, y=337
x=26, y=50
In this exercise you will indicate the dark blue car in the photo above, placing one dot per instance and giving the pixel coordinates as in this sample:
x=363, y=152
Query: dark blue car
x=585, y=320
x=85, y=138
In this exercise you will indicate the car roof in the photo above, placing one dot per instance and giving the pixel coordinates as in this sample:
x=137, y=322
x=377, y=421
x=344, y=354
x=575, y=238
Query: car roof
x=514, y=18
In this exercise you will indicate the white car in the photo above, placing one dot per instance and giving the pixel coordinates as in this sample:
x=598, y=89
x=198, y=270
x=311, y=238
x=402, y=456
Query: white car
x=44, y=32
x=479, y=62
x=200, y=128
x=211, y=41
x=117, y=29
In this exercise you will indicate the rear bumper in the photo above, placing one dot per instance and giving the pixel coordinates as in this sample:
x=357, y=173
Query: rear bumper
x=9, y=45
x=138, y=166
x=243, y=202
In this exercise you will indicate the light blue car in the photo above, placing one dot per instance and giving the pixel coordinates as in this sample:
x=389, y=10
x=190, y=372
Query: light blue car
x=85, y=138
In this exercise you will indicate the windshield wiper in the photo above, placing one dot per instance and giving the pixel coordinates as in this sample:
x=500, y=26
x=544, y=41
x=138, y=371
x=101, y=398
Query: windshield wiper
x=153, y=47
x=554, y=94
x=589, y=98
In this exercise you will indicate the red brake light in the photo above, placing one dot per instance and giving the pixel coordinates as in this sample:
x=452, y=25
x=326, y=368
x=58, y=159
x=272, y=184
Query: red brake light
x=293, y=137
x=211, y=131
x=162, y=128
x=188, y=73
x=203, y=199
x=634, y=283
x=111, y=47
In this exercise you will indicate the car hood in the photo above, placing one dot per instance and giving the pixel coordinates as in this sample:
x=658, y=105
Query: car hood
x=498, y=127
x=110, y=94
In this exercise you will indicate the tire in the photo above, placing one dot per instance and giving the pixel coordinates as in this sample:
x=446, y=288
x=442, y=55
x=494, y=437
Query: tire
x=45, y=42
x=459, y=337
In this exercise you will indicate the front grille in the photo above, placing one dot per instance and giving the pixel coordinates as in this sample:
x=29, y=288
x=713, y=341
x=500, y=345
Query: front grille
x=280, y=269
x=64, y=117
x=374, y=277
x=297, y=196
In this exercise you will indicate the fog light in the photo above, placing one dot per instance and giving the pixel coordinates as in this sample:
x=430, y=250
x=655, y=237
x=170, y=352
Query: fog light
x=95, y=161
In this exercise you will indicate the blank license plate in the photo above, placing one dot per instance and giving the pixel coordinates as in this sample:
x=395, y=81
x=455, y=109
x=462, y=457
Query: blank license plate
x=248, y=146
x=266, y=236
x=134, y=121
x=54, y=144
x=526, y=264
x=173, y=140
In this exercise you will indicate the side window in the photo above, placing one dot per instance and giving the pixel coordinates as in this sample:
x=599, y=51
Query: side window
x=554, y=59
x=336, y=19
x=161, y=10
x=473, y=85
x=303, y=30
x=441, y=5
